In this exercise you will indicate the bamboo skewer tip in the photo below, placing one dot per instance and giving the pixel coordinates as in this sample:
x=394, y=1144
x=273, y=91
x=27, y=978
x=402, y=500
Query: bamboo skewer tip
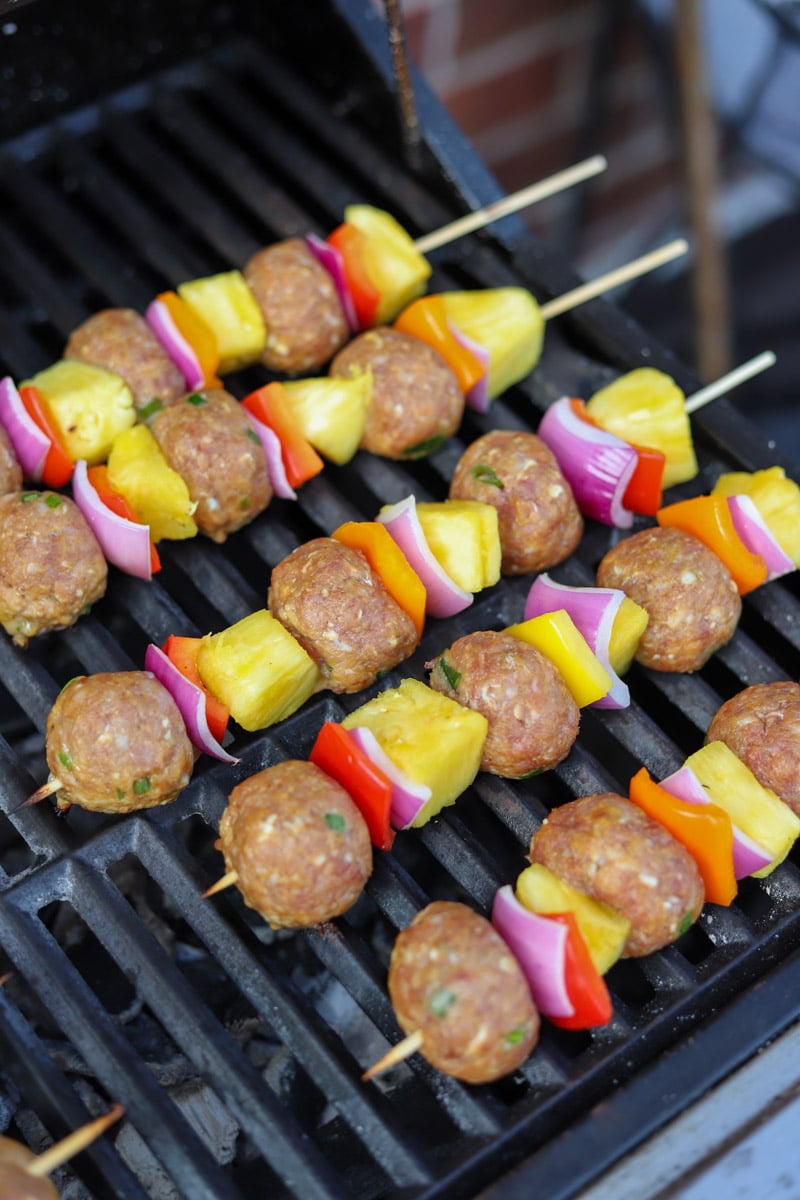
x=611, y=279
x=47, y=1162
x=227, y=880
x=731, y=380
x=52, y=786
x=398, y=1053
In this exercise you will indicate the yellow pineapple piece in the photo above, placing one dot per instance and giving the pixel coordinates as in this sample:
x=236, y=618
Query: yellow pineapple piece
x=331, y=412
x=229, y=308
x=464, y=537
x=158, y=495
x=258, y=670
x=756, y=810
x=508, y=323
x=604, y=930
x=777, y=499
x=558, y=638
x=432, y=739
x=88, y=405
x=626, y=633
x=647, y=408
x=393, y=262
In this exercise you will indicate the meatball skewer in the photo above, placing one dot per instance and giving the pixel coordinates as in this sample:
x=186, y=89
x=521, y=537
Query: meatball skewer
x=23, y=1173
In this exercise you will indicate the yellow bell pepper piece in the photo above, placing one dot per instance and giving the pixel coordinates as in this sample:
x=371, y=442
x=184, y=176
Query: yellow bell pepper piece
x=557, y=637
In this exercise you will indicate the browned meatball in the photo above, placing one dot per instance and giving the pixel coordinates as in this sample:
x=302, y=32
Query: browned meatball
x=298, y=844
x=302, y=312
x=533, y=718
x=327, y=596
x=51, y=566
x=207, y=438
x=453, y=979
x=692, y=601
x=540, y=523
x=416, y=403
x=761, y=725
x=10, y=470
x=120, y=340
x=16, y=1183
x=608, y=847
x=117, y=742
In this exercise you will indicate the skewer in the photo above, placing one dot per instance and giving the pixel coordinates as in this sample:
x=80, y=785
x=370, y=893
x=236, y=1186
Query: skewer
x=732, y=379
x=511, y=204
x=72, y=1144
x=611, y=279
x=47, y=789
x=409, y=1045
x=227, y=880
x=5, y=978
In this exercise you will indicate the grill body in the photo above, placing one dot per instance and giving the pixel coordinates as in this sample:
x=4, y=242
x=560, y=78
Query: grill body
x=237, y=1052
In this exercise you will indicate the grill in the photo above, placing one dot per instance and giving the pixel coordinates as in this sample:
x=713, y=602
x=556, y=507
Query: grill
x=237, y=1051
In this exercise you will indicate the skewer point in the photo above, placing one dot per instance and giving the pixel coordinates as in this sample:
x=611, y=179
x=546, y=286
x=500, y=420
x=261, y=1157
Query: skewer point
x=47, y=789
x=227, y=880
x=47, y=1162
x=399, y=1053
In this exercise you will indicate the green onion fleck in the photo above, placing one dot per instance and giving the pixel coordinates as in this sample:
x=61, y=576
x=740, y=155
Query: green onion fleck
x=141, y=786
x=52, y=501
x=150, y=410
x=530, y=774
x=441, y=1002
x=335, y=821
x=484, y=474
x=65, y=759
x=429, y=446
x=452, y=676
x=687, y=921
x=69, y=682
x=514, y=1037
x=196, y=399
x=120, y=794
x=245, y=503
x=26, y=497
x=251, y=433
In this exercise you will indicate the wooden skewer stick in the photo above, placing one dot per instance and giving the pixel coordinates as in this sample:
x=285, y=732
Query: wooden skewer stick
x=72, y=1144
x=226, y=881
x=511, y=204
x=612, y=279
x=5, y=978
x=399, y=1053
x=732, y=379
x=47, y=789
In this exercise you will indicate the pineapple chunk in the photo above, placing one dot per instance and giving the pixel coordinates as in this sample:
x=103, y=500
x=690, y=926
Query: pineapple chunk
x=508, y=323
x=257, y=669
x=647, y=408
x=393, y=263
x=464, y=537
x=777, y=500
x=432, y=739
x=331, y=412
x=756, y=810
x=158, y=495
x=626, y=633
x=557, y=637
x=604, y=930
x=226, y=304
x=88, y=405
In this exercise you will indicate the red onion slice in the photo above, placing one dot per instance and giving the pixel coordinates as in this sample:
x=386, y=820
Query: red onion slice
x=30, y=444
x=125, y=543
x=190, y=700
x=748, y=856
x=330, y=258
x=444, y=597
x=160, y=320
x=477, y=398
x=757, y=537
x=593, y=611
x=538, y=944
x=597, y=465
x=274, y=456
x=408, y=798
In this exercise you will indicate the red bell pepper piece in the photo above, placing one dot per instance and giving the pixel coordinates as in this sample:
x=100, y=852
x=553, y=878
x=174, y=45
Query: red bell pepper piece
x=585, y=986
x=58, y=466
x=349, y=241
x=709, y=519
x=643, y=493
x=426, y=319
x=339, y=756
x=119, y=504
x=182, y=651
x=270, y=406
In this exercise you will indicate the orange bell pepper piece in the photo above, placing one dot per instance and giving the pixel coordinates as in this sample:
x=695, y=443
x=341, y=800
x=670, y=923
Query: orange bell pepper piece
x=643, y=493
x=586, y=987
x=335, y=753
x=349, y=241
x=197, y=333
x=387, y=560
x=119, y=504
x=709, y=519
x=58, y=466
x=426, y=319
x=704, y=829
x=270, y=406
x=182, y=652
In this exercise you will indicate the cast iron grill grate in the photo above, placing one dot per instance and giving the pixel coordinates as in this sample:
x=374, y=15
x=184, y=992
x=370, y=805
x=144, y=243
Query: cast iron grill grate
x=237, y=1052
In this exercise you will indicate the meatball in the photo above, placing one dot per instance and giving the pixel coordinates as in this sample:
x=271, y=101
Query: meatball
x=16, y=1182
x=298, y=844
x=302, y=312
x=608, y=847
x=207, y=438
x=120, y=340
x=329, y=598
x=533, y=718
x=687, y=591
x=453, y=979
x=116, y=742
x=761, y=725
x=51, y=566
x=416, y=403
x=540, y=523
x=10, y=470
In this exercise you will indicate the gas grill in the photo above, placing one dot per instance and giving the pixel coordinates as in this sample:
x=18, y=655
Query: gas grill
x=237, y=1051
